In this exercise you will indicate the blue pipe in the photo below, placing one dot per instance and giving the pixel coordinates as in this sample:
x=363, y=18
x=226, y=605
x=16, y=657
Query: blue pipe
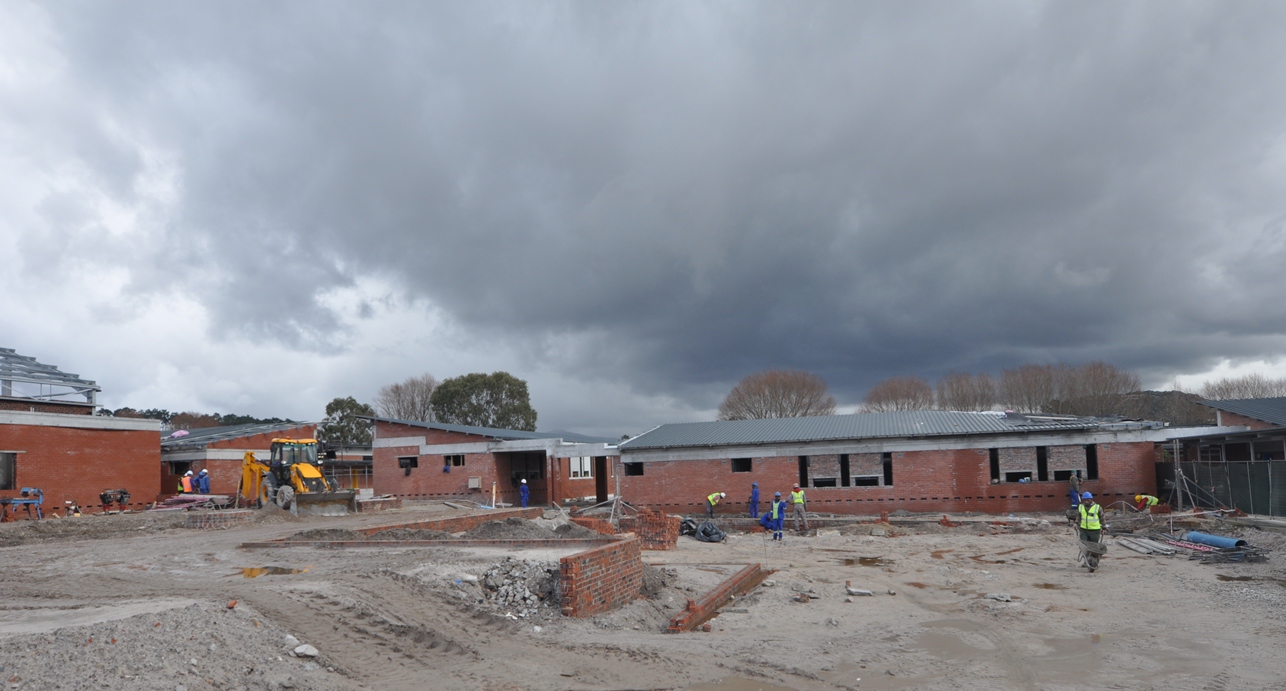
x=1214, y=540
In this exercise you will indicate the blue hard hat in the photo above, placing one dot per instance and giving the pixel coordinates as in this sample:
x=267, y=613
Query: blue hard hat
x=1087, y=495
x=756, y=484
x=778, y=494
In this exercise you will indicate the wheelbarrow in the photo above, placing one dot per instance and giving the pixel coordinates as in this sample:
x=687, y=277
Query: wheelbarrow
x=1090, y=553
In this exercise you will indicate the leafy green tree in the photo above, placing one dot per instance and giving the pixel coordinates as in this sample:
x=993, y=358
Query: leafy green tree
x=342, y=426
x=497, y=400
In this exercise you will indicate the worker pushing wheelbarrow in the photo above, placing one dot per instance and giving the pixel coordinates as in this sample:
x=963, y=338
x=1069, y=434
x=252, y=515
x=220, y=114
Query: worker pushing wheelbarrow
x=1091, y=532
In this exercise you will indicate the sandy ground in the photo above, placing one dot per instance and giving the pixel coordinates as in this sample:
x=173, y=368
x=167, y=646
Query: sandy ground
x=136, y=602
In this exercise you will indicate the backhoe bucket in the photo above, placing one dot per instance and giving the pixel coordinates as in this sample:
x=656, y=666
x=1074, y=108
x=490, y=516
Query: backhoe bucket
x=337, y=503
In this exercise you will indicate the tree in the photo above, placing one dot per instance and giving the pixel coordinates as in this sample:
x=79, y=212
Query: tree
x=1253, y=385
x=899, y=393
x=967, y=392
x=342, y=426
x=776, y=394
x=1094, y=388
x=1028, y=388
x=409, y=400
x=191, y=420
x=496, y=400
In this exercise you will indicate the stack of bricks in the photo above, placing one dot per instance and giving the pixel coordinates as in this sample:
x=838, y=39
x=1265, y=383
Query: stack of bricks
x=656, y=530
x=598, y=525
x=601, y=579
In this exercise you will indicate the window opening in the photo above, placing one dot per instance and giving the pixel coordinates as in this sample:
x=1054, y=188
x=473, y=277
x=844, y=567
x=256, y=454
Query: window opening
x=741, y=465
x=867, y=481
x=803, y=471
x=408, y=462
x=1091, y=461
x=582, y=466
x=8, y=470
x=844, y=478
x=995, y=464
x=888, y=468
x=825, y=482
x=1024, y=476
x=633, y=468
x=1042, y=463
x=454, y=460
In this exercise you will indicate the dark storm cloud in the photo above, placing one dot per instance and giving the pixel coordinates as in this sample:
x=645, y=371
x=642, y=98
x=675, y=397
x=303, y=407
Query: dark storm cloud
x=859, y=191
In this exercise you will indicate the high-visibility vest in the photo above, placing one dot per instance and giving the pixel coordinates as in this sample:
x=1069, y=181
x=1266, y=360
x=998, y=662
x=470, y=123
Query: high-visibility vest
x=186, y=484
x=777, y=509
x=1151, y=500
x=797, y=497
x=713, y=499
x=1090, y=517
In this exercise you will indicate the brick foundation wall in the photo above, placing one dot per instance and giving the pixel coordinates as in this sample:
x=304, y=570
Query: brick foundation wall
x=656, y=530
x=952, y=480
x=459, y=524
x=77, y=464
x=598, y=525
x=600, y=579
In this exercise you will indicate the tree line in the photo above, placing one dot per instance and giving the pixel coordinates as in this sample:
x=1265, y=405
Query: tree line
x=1089, y=389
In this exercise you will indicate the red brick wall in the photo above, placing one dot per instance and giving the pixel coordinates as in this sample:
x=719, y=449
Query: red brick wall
x=598, y=525
x=923, y=481
x=429, y=482
x=77, y=464
x=656, y=530
x=264, y=441
x=64, y=408
x=1232, y=420
x=601, y=579
x=569, y=487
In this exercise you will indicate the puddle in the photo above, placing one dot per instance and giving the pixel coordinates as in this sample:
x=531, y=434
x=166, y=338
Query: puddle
x=867, y=561
x=257, y=571
x=16, y=619
x=937, y=553
x=739, y=684
x=1050, y=586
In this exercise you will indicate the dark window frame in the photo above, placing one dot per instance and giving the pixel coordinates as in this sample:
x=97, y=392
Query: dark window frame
x=743, y=465
x=633, y=469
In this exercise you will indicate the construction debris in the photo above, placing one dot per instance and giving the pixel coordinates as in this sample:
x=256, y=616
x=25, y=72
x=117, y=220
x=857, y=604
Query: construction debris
x=517, y=587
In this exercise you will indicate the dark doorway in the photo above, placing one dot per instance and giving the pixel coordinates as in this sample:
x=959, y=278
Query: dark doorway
x=1091, y=461
x=843, y=470
x=803, y=471
x=1042, y=463
x=887, y=460
x=600, y=479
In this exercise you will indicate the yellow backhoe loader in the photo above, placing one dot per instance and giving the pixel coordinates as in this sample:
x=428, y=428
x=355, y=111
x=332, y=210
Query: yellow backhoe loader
x=292, y=479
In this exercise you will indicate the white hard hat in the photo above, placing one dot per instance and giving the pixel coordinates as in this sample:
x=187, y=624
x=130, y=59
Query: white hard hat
x=722, y=494
x=187, y=473
x=204, y=471
x=524, y=482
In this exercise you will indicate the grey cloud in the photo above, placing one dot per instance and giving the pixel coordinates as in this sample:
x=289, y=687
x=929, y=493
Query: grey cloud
x=711, y=189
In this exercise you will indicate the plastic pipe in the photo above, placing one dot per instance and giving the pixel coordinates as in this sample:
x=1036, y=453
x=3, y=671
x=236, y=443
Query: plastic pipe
x=1213, y=540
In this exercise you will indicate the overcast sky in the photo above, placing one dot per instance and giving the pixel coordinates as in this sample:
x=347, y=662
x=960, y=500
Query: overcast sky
x=256, y=207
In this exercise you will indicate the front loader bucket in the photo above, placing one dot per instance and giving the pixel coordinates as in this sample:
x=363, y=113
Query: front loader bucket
x=337, y=503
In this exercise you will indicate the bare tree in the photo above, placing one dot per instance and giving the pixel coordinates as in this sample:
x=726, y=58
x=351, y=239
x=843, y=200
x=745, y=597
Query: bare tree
x=1094, y=388
x=899, y=393
x=777, y=393
x=408, y=400
x=1028, y=388
x=969, y=392
x=1253, y=385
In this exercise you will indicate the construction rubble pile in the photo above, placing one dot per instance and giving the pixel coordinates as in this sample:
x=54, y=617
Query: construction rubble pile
x=518, y=587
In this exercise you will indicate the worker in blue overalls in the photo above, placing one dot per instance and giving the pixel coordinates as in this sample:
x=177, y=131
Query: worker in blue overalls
x=775, y=517
x=524, y=492
x=754, y=500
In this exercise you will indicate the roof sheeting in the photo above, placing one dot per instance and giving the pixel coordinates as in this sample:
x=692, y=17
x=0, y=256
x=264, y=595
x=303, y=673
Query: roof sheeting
x=495, y=433
x=39, y=381
x=920, y=423
x=1272, y=410
x=204, y=436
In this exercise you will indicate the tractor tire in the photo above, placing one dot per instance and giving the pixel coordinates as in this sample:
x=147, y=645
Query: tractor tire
x=285, y=495
x=267, y=491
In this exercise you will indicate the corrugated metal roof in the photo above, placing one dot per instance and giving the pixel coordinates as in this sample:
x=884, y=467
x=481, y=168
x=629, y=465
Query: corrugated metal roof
x=494, y=433
x=920, y=423
x=201, y=437
x=1267, y=409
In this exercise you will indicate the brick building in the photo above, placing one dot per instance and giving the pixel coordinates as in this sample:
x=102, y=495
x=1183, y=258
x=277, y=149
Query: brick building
x=920, y=461
x=437, y=461
x=1251, y=413
x=220, y=450
x=50, y=440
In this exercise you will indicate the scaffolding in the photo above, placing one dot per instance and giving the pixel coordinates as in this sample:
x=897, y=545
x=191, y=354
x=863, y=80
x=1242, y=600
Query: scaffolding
x=24, y=377
x=1244, y=471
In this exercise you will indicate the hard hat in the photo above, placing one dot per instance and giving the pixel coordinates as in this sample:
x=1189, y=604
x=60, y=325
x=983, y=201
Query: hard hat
x=755, y=484
x=721, y=494
x=796, y=485
x=524, y=481
x=204, y=471
x=778, y=494
x=1138, y=497
x=187, y=473
x=1087, y=495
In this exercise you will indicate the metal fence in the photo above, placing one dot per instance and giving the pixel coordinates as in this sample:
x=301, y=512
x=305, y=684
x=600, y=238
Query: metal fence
x=1253, y=486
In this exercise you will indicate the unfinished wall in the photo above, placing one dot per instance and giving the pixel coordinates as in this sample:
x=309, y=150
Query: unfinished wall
x=945, y=480
x=655, y=530
x=601, y=579
x=428, y=481
x=459, y=524
x=823, y=467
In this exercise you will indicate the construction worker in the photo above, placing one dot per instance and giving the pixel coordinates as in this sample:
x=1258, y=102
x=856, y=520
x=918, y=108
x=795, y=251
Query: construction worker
x=524, y=492
x=774, y=517
x=1091, y=525
x=1145, y=502
x=203, y=482
x=185, y=484
x=801, y=508
x=754, y=500
x=711, y=501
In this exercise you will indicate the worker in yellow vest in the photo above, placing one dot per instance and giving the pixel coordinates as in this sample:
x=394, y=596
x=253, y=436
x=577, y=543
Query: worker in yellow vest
x=774, y=517
x=1145, y=502
x=800, y=503
x=711, y=501
x=1091, y=519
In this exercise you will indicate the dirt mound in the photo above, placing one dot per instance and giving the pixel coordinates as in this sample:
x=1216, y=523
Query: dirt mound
x=656, y=580
x=327, y=535
x=512, y=528
x=90, y=527
x=571, y=531
x=409, y=534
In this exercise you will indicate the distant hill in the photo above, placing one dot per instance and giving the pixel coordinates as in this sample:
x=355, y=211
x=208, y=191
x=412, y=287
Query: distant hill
x=1175, y=407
